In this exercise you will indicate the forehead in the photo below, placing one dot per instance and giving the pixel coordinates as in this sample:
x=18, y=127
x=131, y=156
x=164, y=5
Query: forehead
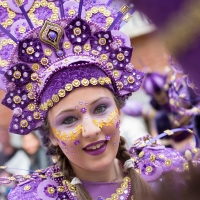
x=84, y=94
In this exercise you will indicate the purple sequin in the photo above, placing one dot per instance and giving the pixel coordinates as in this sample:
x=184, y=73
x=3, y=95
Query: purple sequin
x=76, y=142
x=83, y=110
x=108, y=137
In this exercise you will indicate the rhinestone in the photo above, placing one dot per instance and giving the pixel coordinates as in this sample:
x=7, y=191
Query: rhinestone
x=78, y=39
x=71, y=26
x=129, y=67
x=15, y=126
x=77, y=31
x=24, y=123
x=17, y=74
x=78, y=23
x=11, y=94
x=24, y=45
x=106, y=36
x=29, y=118
x=102, y=41
x=24, y=97
x=37, y=54
x=30, y=50
x=52, y=35
x=59, y=53
x=120, y=57
x=138, y=77
x=11, y=86
x=84, y=36
x=25, y=74
x=17, y=112
x=99, y=48
x=10, y=72
x=125, y=82
x=84, y=27
x=126, y=53
x=137, y=83
x=31, y=43
x=17, y=99
x=115, y=62
x=38, y=47
x=72, y=36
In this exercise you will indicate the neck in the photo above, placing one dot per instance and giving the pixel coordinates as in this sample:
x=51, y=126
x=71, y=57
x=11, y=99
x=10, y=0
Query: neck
x=110, y=174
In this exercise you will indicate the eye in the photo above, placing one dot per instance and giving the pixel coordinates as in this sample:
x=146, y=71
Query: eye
x=69, y=120
x=100, y=109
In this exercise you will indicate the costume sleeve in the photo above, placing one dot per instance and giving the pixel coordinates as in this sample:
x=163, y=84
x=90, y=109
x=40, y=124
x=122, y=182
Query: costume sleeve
x=163, y=168
x=177, y=21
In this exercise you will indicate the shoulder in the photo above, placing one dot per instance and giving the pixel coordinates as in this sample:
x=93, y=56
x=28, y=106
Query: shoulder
x=42, y=184
x=153, y=161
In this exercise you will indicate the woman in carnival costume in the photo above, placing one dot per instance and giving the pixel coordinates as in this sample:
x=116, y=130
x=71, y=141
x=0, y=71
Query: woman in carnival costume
x=68, y=79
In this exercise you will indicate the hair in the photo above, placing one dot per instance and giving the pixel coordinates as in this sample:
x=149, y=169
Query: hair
x=139, y=188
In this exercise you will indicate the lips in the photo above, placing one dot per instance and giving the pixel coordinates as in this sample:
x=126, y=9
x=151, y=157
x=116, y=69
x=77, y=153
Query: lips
x=96, y=148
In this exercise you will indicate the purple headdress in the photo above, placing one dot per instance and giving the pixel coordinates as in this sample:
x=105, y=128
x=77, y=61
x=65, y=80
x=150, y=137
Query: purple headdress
x=60, y=47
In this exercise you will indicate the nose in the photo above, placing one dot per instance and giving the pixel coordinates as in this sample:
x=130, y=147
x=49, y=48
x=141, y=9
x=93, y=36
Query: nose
x=90, y=129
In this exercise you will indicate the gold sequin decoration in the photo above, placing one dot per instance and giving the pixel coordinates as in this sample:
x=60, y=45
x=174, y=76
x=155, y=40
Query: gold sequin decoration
x=153, y=157
x=50, y=103
x=24, y=123
x=77, y=31
x=104, y=57
x=67, y=45
x=101, y=81
x=30, y=50
x=22, y=29
x=35, y=67
x=61, y=93
x=96, y=53
x=43, y=3
x=76, y=83
x=31, y=95
x=141, y=154
x=93, y=81
x=110, y=66
x=34, y=76
x=17, y=74
x=17, y=99
x=48, y=52
x=168, y=162
x=77, y=49
x=161, y=156
x=44, y=61
x=120, y=85
x=102, y=41
x=71, y=12
x=87, y=47
x=195, y=150
x=36, y=115
x=60, y=188
x=149, y=169
x=31, y=107
x=120, y=57
x=27, y=187
x=11, y=15
x=55, y=98
x=186, y=166
x=29, y=86
x=85, y=82
x=131, y=79
x=68, y=87
x=116, y=74
x=50, y=190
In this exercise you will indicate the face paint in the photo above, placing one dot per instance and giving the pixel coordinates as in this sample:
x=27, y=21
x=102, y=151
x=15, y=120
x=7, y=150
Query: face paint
x=83, y=110
x=71, y=136
x=76, y=142
x=118, y=124
x=109, y=122
x=108, y=137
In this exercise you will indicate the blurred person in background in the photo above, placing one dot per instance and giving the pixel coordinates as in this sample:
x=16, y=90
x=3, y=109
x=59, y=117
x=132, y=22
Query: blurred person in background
x=36, y=153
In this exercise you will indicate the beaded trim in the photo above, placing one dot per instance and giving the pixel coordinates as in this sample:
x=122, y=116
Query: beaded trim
x=70, y=86
x=124, y=189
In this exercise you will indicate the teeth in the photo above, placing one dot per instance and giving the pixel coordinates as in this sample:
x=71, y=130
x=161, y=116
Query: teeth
x=94, y=147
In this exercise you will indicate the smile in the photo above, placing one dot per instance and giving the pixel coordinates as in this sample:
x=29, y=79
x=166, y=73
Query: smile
x=96, y=148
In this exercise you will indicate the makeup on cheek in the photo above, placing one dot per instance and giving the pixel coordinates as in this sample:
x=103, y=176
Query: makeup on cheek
x=70, y=136
x=109, y=121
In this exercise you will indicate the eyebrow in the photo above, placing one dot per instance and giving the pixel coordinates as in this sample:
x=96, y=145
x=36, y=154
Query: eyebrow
x=72, y=110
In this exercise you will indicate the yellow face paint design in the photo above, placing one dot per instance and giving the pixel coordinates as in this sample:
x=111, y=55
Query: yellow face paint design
x=71, y=135
x=109, y=122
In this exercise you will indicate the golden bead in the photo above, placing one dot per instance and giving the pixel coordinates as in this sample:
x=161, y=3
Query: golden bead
x=24, y=123
x=101, y=81
x=71, y=12
x=35, y=67
x=68, y=87
x=116, y=74
x=48, y=52
x=77, y=49
x=61, y=93
x=141, y=154
x=17, y=99
x=87, y=47
x=27, y=187
x=44, y=61
x=120, y=57
x=85, y=82
x=168, y=162
x=104, y=57
x=93, y=81
x=55, y=98
x=30, y=50
x=131, y=79
x=67, y=45
x=50, y=103
x=76, y=83
x=149, y=169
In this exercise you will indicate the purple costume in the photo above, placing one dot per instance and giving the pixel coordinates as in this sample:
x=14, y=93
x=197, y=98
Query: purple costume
x=70, y=45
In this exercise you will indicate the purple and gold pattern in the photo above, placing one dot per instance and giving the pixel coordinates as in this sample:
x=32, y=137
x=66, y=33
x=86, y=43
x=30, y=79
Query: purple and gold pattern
x=110, y=120
x=70, y=136
x=59, y=55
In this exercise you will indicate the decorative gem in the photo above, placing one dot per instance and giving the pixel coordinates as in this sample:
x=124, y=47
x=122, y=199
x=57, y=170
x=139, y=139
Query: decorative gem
x=36, y=115
x=61, y=93
x=17, y=74
x=24, y=123
x=108, y=137
x=141, y=154
x=130, y=79
x=48, y=52
x=27, y=187
x=120, y=57
x=35, y=67
x=30, y=50
x=93, y=81
x=77, y=49
x=17, y=99
x=68, y=87
x=55, y=98
x=87, y=47
x=152, y=157
x=51, y=34
x=110, y=66
x=44, y=61
x=67, y=45
x=31, y=107
x=104, y=57
x=34, y=76
x=168, y=162
x=120, y=85
x=78, y=31
x=116, y=74
x=83, y=110
x=31, y=95
x=85, y=82
x=76, y=142
x=76, y=83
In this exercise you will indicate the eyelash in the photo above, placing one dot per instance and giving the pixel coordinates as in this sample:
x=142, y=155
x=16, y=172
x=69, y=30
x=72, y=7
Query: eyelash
x=98, y=110
x=100, y=107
